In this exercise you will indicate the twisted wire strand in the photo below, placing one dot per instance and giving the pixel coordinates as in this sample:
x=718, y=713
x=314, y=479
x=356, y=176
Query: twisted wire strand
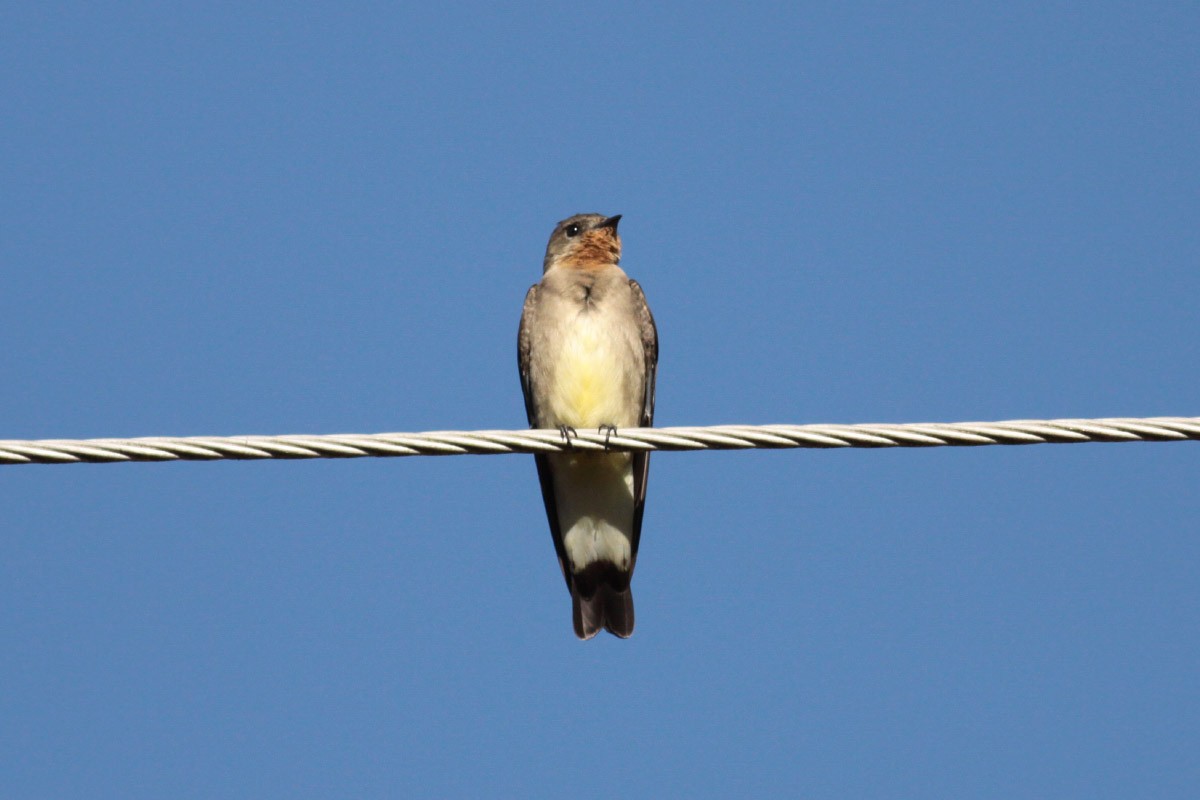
x=713, y=437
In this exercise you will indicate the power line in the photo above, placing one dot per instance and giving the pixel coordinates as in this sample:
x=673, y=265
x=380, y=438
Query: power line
x=713, y=437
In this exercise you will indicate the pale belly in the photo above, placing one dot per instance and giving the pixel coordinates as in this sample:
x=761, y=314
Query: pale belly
x=594, y=497
x=595, y=377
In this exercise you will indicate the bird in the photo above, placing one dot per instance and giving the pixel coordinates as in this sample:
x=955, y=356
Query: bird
x=587, y=350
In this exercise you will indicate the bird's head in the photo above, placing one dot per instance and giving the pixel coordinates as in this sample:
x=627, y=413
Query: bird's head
x=584, y=241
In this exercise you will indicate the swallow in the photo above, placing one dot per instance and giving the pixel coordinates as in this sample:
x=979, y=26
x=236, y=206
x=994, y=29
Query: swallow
x=587, y=350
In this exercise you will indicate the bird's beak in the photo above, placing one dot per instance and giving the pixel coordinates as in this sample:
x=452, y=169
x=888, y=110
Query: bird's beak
x=611, y=222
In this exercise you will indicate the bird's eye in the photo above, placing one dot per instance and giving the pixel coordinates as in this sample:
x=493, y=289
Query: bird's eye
x=572, y=230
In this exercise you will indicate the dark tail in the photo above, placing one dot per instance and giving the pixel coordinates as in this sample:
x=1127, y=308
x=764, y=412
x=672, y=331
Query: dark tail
x=601, y=598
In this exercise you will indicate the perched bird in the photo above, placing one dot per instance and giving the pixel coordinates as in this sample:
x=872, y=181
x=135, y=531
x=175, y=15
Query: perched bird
x=588, y=350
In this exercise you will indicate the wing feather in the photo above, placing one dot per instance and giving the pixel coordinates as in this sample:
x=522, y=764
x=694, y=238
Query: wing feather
x=641, y=461
x=545, y=474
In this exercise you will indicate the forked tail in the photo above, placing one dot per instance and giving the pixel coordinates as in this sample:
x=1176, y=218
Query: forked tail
x=601, y=598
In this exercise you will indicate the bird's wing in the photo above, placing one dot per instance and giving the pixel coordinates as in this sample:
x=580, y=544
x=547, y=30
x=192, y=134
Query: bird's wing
x=641, y=461
x=545, y=475
x=524, y=349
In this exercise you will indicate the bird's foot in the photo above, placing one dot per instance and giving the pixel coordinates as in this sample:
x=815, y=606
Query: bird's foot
x=567, y=432
x=608, y=431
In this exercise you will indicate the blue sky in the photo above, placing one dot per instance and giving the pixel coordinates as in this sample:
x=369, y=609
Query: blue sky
x=295, y=218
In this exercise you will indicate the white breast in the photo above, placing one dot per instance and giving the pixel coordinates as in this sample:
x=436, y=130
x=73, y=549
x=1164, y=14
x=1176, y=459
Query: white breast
x=595, y=373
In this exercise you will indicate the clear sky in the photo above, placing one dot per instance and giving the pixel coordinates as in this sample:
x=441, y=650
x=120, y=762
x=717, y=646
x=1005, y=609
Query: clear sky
x=309, y=218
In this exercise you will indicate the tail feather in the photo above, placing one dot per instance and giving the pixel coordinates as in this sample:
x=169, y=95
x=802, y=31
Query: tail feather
x=618, y=611
x=587, y=614
x=601, y=598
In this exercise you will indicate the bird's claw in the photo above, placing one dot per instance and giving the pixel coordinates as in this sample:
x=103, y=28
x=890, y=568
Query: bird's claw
x=608, y=431
x=567, y=432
